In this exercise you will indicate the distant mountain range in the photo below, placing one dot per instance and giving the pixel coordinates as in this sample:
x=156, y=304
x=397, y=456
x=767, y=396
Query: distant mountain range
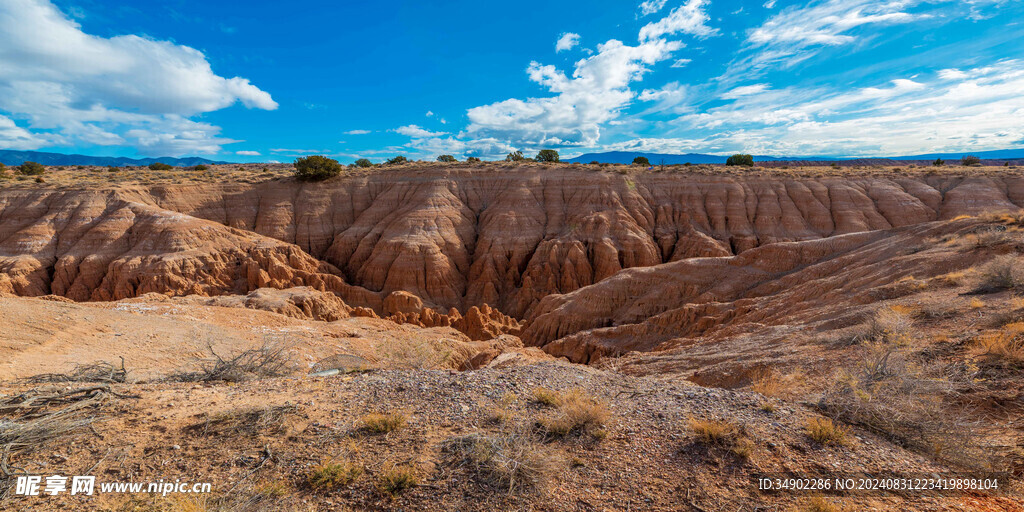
x=10, y=157
x=626, y=157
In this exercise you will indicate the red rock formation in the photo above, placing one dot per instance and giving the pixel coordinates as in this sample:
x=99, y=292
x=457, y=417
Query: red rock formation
x=509, y=238
x=700, y=299
x=449, y=238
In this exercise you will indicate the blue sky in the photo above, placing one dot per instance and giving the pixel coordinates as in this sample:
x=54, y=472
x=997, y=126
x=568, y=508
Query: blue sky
x=270, y=81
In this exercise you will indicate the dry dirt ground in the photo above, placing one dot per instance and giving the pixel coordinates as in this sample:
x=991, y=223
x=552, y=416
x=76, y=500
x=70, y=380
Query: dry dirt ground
x=258, y=441
x=876, y=327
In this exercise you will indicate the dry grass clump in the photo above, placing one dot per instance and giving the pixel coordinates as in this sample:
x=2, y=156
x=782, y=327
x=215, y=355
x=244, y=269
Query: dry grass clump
x=577, y=413
x=36, y=418
x=382, y=423
x=264, y=362
x=951, y=279
x=99, y=371
x=825, y=432
x=512, y=459
x=276, y=496
x=891, y=325
x=331, y=475
x=722, y=434
x=545, y=396
x=500, y=413
x=767, y=382
x=248, y=421
x=976, y=303
x=395, y=479
x=819, y=504
x=415, y=355
x=1006, y=344
x=909, y=404
x=1004, y=272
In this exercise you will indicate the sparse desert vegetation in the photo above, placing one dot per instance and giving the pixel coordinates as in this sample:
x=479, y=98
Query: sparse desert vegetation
x=280, y=364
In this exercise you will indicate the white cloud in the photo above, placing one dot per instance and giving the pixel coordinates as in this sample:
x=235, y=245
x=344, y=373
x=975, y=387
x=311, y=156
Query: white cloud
x=118, y=90
x=796, y=33
x=488, y=148
x=417, y=132
x=670, y=98
x=679, y=63
x=688, y=18
x=300, y=151
x=974, y=110
x=769, y=4
x=14, y=137
x=746, y=90
x=651, y=6
x=567, y=42
x=247, y=153
x=430, y=113
x=357, y=132
x=595, y=94
x=952, y=74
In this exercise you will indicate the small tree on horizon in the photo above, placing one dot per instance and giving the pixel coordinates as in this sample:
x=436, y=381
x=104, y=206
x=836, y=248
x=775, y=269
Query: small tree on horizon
x=397, y=160
x=316, y=168
x=473, y=159
x=970, y=161
x=447, y=159
x=515, y=156
x=159, y=166
x=641, y=160
x=547, y=155
x=31, y=169
x=740, y=159
x=362, y=162
x=939, y=162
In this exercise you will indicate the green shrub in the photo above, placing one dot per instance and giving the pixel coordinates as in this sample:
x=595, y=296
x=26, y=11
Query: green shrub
x=316, y=168
x=547, y=155
x=740, y=159
x=158, y=166
x=201, y=167
x=31, y=169
x=362, y=162
x=970, y=161
x=446, y=159
x=641, y=160
x=515, y=156
x=939, y=162
x=397, y=160
x=473, y=159
x=112, y=169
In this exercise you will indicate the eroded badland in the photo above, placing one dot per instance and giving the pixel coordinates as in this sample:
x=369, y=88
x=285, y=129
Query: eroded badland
x=503, y=337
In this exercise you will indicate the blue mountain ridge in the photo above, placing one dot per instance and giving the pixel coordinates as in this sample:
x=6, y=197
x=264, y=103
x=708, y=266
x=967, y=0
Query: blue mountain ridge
x=11, y=157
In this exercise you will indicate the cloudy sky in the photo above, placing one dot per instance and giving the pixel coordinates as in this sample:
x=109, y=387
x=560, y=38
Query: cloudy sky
x=273, y=81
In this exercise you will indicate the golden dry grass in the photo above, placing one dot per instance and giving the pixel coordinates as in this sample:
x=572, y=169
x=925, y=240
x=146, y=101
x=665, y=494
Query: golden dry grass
x=1006, y=344
x=331, y=475
x=395, y=479
x=576, y=412
x=382, y=423
x=825, y=432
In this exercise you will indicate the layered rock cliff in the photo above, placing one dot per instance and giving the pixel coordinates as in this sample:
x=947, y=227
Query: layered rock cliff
x=458, y=238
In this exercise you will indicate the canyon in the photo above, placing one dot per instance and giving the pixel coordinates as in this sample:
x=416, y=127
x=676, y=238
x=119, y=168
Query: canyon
x=754, y=300
x=560, y=251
